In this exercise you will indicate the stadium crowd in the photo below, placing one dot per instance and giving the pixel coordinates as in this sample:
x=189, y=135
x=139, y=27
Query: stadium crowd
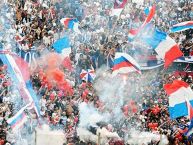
x=38, y=26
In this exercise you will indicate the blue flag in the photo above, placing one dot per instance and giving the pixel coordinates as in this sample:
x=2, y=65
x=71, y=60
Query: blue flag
x=61, y=44
x=155, y=38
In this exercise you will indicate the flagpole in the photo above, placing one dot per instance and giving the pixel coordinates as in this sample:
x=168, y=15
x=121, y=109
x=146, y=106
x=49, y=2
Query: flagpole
x=35, y=136
x=120, y=16
x=99, y=139
x=117, y=20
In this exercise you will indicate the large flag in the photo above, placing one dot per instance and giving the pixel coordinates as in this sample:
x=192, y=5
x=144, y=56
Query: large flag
x=71, y=23
x=124, y=63
x=19, y=118
x=178, y=92
x=19, y=74
x=165, y=46
x=62, y=46
x=182, y=26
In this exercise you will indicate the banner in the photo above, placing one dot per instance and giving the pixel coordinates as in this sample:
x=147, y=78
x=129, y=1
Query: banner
x=187, y=59
x=29, y=56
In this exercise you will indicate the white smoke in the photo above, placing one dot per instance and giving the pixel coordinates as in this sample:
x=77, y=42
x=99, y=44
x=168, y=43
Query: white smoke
x=139, y=138
x=86, y=135
x=111, y=92
x=89, y=115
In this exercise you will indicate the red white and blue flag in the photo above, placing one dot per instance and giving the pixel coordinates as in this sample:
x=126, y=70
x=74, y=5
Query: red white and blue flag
x=178, y=92
x=17, y=121
x=71, y=23
x=118, y=7
x=166, y=48
x=182, y=26
x=19, y=72
x=133, y=32
x=124, y=63
x=190, y=116
x=150, y=16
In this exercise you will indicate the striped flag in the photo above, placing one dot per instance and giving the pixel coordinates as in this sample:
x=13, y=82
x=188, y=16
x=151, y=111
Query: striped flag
x=165, y=46
x=124, y=63
x=21, y=78
x=188, y=59
x=190, y=109
x=18, y=120
x=132, y=34
x=71, y=23
x=118, y=7
x=150, y=16
x=178, y=92
x=182, y=26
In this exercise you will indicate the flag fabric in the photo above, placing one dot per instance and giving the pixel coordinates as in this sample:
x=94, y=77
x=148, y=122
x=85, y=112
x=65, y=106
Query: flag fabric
x=150, y=16
x=182, y=26
x=146, y=11
x=188, y=59
x=154, y=38
x=19, y=38
x=120, y=4
x=23, y=67
x=178, y=92
x=71, y=23
x=62, y=46
x=165, y=46
x=118, y=7
x=116, y=12
x=149, y=62
x=124, y=63
x=133, y=33
x=87, y=75
x=182, y=128
x=190, y=109
x=168, y=50
x=21, y=78
x=190, y=130
x=19, y=118
x=17, y=121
